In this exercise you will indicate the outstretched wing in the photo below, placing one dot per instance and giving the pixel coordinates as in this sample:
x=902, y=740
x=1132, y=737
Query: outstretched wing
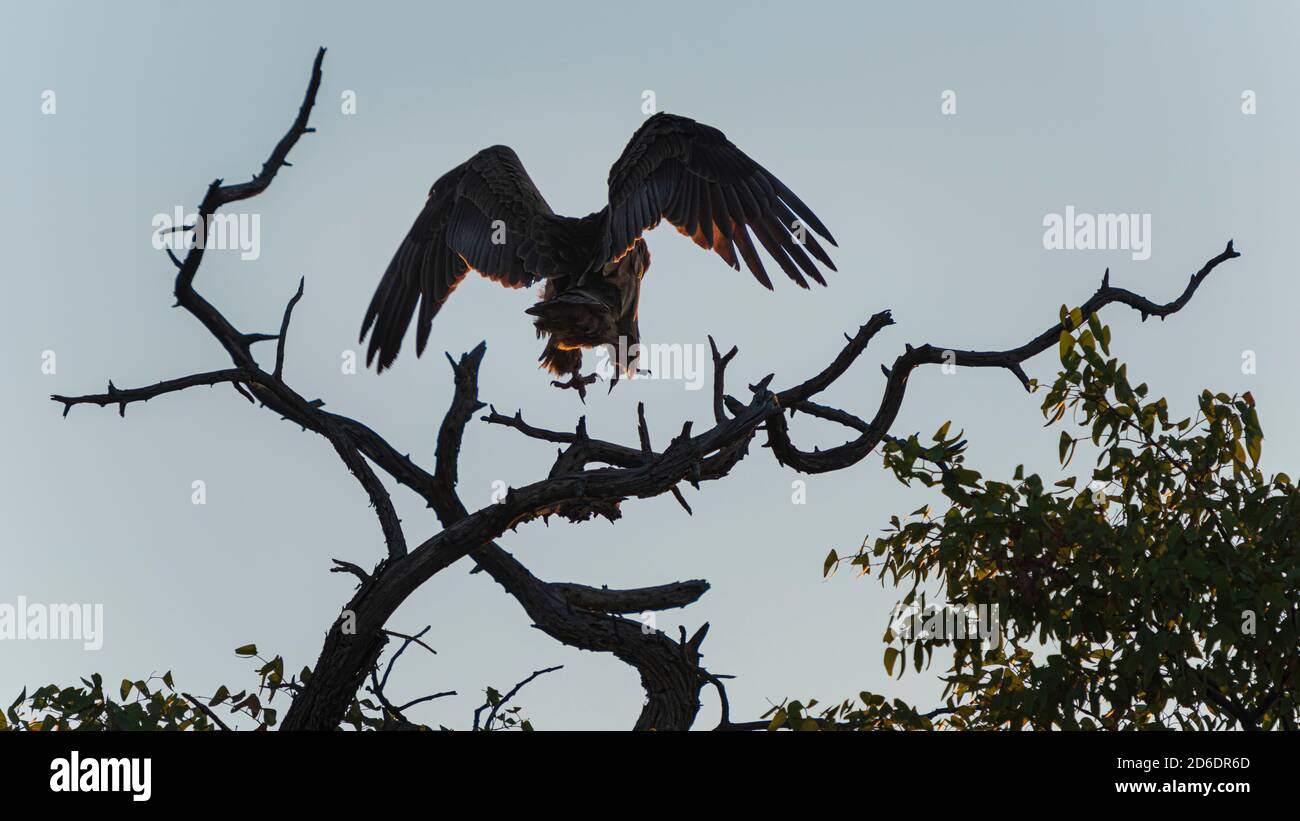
x=691, y=175
x=485, y=214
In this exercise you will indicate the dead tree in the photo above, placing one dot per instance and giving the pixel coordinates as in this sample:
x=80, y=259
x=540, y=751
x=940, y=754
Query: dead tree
x=589, y=478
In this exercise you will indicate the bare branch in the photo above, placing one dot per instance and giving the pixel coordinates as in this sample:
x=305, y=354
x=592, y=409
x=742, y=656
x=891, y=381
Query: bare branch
x=235, y=343
x=422, y=699
x=207, y=711
x=636, y=600
x=284, y=329
x=850, y=453
x=595, y=450
x=122, y=398
x=856, y=345
x=458, y=415
x=349, y=567
x=379, y=498
x=720, y=362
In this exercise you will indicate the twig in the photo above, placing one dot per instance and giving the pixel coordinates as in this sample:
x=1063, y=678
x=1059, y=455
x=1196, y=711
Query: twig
x=487, y=725
x=207, y=711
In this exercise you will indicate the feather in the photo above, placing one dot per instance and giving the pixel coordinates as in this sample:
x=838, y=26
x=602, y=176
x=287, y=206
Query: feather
x=465, y=212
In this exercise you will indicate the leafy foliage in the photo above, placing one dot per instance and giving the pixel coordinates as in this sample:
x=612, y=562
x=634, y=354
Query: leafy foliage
x=873, y=712
x=155, y=703
x=1162, y=595
x=502, y=717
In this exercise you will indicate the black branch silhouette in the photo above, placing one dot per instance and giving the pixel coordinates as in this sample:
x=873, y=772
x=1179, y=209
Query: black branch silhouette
x=590, y=477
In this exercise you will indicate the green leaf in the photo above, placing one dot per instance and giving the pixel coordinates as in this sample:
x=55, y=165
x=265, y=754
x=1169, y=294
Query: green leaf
x=246, y=650
x=1066, y=343
x=1094, y=325
x=831, y=559
x=125, y=689
x=777, y=720
x=942, y=432
x=891, y=655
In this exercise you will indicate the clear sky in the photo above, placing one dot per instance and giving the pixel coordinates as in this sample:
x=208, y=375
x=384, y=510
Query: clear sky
x=1106, y=107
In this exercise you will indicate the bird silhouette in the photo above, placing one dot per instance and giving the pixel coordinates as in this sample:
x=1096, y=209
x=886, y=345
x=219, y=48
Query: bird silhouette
x=487, y=215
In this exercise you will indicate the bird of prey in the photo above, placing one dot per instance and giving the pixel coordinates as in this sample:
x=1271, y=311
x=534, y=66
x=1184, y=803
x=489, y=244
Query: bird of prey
x=487, y=215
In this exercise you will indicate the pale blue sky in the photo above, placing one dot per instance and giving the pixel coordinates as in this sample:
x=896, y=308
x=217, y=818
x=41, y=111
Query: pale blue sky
x=1109, y=107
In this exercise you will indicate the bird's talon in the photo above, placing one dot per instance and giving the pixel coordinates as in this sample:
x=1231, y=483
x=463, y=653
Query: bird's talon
x=577, y=383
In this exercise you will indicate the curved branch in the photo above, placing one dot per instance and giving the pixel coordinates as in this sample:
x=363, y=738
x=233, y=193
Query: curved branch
x=850, y=453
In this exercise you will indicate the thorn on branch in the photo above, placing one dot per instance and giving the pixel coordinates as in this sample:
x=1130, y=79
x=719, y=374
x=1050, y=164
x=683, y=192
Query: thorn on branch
x=693, y=644
x=681, y=500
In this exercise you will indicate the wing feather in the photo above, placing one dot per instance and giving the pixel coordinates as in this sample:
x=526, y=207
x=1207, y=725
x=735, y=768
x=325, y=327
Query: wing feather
x=751, y=257
x=688, y=173
x=486, y=215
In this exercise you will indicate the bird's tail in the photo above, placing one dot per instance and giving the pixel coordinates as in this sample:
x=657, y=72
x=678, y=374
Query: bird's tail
x=575, y=313
x=560, y=362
